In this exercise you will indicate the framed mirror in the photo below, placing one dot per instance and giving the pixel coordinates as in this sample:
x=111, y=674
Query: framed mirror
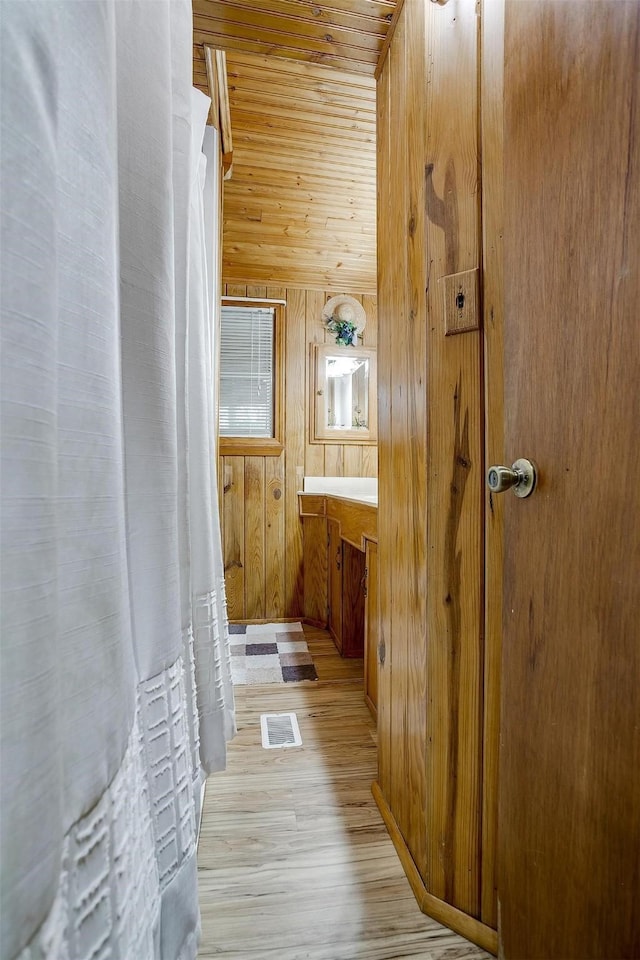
x=345, y=405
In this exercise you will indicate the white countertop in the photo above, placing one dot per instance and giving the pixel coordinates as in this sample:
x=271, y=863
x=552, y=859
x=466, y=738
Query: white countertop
x=362, y=489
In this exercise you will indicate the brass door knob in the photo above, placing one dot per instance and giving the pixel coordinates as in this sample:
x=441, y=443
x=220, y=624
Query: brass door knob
x=521, y=476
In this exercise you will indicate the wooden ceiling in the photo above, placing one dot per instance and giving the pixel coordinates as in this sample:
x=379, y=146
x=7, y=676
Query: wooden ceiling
x=347, y=34
x=299, y=209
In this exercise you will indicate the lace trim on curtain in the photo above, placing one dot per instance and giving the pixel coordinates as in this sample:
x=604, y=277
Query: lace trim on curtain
x=192, y=704
x=120, y=856
x=165, y=726
x=213, y=674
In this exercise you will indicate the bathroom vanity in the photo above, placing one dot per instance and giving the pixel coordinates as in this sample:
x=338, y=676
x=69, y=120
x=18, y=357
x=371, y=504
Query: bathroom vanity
x=339, y=517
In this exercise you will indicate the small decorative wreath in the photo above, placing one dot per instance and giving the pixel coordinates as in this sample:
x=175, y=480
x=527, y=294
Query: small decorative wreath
x=345, y=331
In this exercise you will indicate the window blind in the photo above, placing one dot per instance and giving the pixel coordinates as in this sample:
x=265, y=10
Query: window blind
x=247, y=371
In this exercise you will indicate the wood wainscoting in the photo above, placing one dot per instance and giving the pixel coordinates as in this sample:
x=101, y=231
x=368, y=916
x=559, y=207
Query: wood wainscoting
x=432, y=711
x=261, y=527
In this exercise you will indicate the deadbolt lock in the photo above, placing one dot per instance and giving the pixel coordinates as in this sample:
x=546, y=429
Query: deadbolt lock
x=521, y=476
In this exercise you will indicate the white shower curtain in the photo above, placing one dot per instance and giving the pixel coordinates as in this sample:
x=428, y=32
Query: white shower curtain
x=115, y=690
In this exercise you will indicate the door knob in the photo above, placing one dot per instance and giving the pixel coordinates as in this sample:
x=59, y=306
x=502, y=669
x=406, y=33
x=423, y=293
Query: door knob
x=521, y=476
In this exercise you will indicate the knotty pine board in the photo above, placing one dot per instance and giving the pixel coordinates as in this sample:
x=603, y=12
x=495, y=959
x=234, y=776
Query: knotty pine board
x=274, y=537
x=455, y=475
x=233, y=546
x=385, y=462
x=295, y=419
x=254, y=531
x=406, y=738
x=431, y=471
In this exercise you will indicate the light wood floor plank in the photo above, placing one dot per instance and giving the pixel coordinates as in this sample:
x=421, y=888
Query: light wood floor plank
x=294, y=861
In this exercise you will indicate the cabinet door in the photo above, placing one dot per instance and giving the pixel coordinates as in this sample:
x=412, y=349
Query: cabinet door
x=335, y=583
x=371, y=627
x=352, y=601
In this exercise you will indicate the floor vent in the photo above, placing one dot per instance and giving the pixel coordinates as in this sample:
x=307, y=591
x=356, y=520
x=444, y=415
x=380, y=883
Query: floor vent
x=280, y=730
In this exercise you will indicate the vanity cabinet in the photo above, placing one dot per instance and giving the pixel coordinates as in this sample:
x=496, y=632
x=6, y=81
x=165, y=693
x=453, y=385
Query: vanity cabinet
x=340, y=576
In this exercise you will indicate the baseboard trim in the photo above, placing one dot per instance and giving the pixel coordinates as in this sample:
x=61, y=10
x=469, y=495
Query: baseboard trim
x=373, y=710
x=312, y=623
x=308, y=620
x=444, y=913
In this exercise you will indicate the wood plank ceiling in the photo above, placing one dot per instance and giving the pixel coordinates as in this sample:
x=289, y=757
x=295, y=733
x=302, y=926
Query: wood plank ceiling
x=299, y=209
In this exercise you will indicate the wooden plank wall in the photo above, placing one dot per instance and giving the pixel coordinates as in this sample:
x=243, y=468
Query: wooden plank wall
x=455, y=475
x=261, y=529
x=431, y=484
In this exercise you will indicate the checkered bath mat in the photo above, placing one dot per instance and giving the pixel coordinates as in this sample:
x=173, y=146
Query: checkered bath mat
x=270, y=653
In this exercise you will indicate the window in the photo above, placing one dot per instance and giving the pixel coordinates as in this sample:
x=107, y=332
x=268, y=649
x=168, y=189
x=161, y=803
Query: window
x=250, y=407
x=246, y=371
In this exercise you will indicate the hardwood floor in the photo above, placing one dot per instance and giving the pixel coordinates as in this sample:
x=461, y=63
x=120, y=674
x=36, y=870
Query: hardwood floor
x=294, y=861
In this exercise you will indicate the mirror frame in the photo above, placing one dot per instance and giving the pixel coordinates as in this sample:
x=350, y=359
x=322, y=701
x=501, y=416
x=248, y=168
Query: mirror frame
x=319, y=431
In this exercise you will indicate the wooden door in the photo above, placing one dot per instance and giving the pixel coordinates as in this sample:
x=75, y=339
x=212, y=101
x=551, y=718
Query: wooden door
x=334, y=562
x=569, y=819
